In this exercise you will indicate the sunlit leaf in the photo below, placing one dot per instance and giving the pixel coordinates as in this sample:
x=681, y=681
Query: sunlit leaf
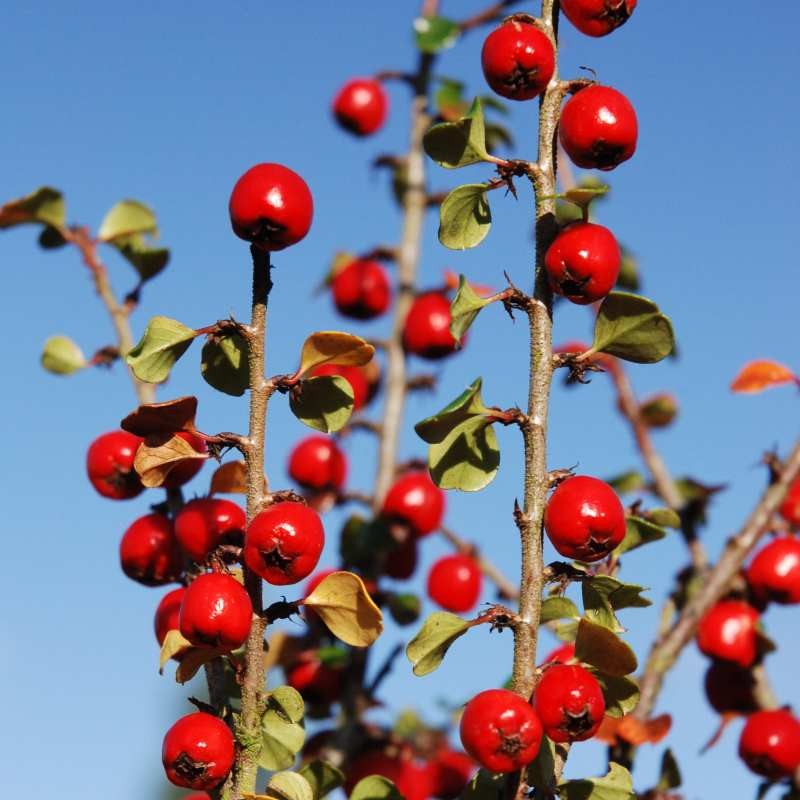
x=465, y=217
x=638, y=532
x=465, y=307
x=45, y=205
x=554, y=608
x=174, y=645
x=429, y=647
x=324, y=403
x=62, y=356
x=229, y=478
x=375, y=787
x=126, y=218
x=164, y=341
x=288, y=786
x=632, y=328
x=617, y=784
x=334, y=347
x=755, y=376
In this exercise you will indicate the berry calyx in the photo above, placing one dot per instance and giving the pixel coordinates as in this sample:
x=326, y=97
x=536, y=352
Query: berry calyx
x=318, y=683
x=569, y=703
x=361, y=289
x=168, y=613
x=790, y=507
x=216, y=612
x=198, y=751
x=271, y=206
x=284, y=542
x=414, y=500
x=598, y=128
x=584, y=519
x=500, y=730
x=149, y=552
x=730, y=688
x=361, y=105
x=770, y=743
x=561, y=655
x=204, y=523
x=426, y=330
x=186, y=470
x=109, y=465
x=774, y=574
x=353, y=375
x=455, y=583
x=598, y=17
x=517, y=60
x=317, y=463
x=729, y=632
x=583, y=262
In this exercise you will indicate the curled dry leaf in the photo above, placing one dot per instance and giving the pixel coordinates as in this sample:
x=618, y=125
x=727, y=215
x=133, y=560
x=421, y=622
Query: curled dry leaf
x=229, y=478
x=334, y=347
x=756, y=376
x=168, y=417
x=634, y=731
x=157, y=456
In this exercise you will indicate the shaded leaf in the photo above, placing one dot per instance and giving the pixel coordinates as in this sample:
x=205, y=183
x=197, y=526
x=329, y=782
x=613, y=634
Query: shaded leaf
x=288, y=786
x=670, y=776
x=631, y=481
x=168, y=417
x=465, y=307
x=153, y=462
x=460, y=143
x=223, y=363
x=164, y=341
x=51, y=238
x=485, y=785
x=638, y=532
x=229, y=478
x=632, y=328
x=755, y=376
x=324, y=403
x=465, y=407
x=468, y=459
x=554, y=608
x=45, y=205
x=429, y=647
x=282, y=737
x=146, y=259
x=434, y=34
x=604, y=595
x=664, y=517
x=322, y=777
x=620, y=694
x=334, y=347
x=540, y=771
x=617, y=784
x=62, y=356
x=465, y=217
x=404, y=608
x=598, y=646
x=628, y=277
x=126, y=218
x=193, y=659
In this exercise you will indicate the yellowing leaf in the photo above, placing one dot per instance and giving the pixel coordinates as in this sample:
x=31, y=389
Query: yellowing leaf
x=334, y=347
x=756, y=376
x=154, y=462
x=62, y=356
x=174, y=645
x=126, y=218
x=429, y=647
x=344, y=605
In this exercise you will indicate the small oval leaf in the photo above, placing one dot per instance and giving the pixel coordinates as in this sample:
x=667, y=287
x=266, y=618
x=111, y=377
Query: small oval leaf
x=460, y=143
x=598, y=646
x=428, y=648
x=126, y=218
x=322, y=776
x=465, y=217
x=324, y=403
x=434, y=34
x=224, y=365
x=632, y=328
x=229, y=478
x=334, y=347
x=375, y=787
x=174, y=645
x=465, y=307
x=62, y=356
x=164, y=341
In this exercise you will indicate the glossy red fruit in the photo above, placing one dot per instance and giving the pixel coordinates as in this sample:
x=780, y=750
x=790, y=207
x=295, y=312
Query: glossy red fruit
x=728, y=632
x=584, y=519
x=149, y=552
x=500, y=730
x=597, y=17
x=518, y=60
x=598, y=128
x=730, y=688
x=361, y=106
x=271, y=206
x=583, y=262
x=451, y=770
x=319, y=683
x=353, y=375
x=198, y=751
x=770, y=743
x=361, y=290
x=216, y=612
x=284, y=542
x=412, y=780
x=561, y=655
x=204, y=523
x=197, y=796
x=317, y=463
x=455, y=583
x=569, y=703
x=414, y=500
x=109, y=464
x=186, y=470
x=790, y=508
x=168, y=613
x=401, y=563
x=774, y=573
x=426, y=331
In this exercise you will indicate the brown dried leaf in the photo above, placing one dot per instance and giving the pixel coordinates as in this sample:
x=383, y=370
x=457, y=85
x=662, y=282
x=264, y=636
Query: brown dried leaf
x=229, y=478
x=168, y=417
x=158, y=455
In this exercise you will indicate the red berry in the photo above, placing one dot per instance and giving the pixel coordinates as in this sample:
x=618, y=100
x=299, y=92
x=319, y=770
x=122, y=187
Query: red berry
x=203, y=523
x=569, y=703
x=584, y=519
x=271, y=206
x=583, y=262
x=317, y=463
x=109, y=464
x=318, y=683
x=149, y=552
x=598, y=128
x=729, y=688
x=561, y=655
x=198, y=751
x=790, y=508
x=455, y=583
x=451, y=771
x=361, y=106
x=597, y=17
x=284, y=543
x=168, y=613
x=416, y=501
x=361, y=289
x=412, y=780
x=186, y=470
x=770, y=743
x=402, y=561
x=353, y=375
x=500, y=730
x=728, y=632
x=774, y=573
x=216, y=612
x=426, y=331
x=518, y=60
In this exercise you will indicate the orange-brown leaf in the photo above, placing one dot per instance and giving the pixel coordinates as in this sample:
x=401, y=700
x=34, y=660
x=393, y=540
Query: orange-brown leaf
x=756, y=376
x=229, y=478
x=160, y=418
x=157, y=456
x=630, y=729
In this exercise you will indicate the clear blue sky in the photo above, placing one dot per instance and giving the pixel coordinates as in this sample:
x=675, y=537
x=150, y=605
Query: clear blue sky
x=169, y=104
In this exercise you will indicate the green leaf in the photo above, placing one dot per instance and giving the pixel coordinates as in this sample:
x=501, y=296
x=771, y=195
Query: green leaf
x=632, y=328
x=604, y=595
x=621, y=694
x=567, y=631
x=434, y=34
x=464, y=308
x=288, y=702
x=62, y=356
x=466, y=406
x=164, y=341
x=126, y=218
x=540, y=771
x=617, y=784
x=458, y=144
x=465, y=217
x=468, y=459
x=554, y=608
x=375, y=787
x=639, y=532
x=147, y=260
x=628, y=277
x=289, y=786
x=282, y=731
x=600, y=647
x=324, y=403
x=631, y=481
x=485, y=785
x=670, y=777
x=583, y=196
x=429, y=647
x=322, y=777
x=45, y=205
x=449, y=98
x=664, y=517
x=224, y=363
x=404, y=608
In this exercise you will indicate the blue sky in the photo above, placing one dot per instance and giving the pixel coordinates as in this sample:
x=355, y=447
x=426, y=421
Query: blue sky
x=170, y=105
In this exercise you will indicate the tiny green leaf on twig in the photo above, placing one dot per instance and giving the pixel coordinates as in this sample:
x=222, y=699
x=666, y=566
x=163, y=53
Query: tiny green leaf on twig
x=427, y=649
x=224, y=365
x=465, y=217
x=639, y=532
x=126, y=218
x=164, y=341
x=465, y=307
x=604, y=595
x=664, y=517
x=45, y=205
x=632, y=481
x=554, y=608
x=600, y=647
x=617, y=784
x=460, y=143
x=324, y=403
x=62, y=356
x=434, y=34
